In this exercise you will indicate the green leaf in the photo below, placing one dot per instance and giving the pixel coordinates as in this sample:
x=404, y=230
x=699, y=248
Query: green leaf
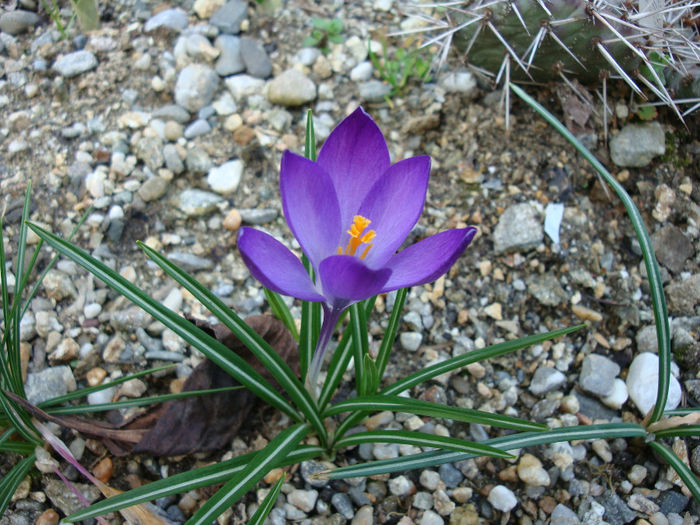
x=691, y=481
x=335, y=26
x=185, y=481
x=17, y=447
x=309, y=41
x=655, y=286
x=261, y=464
x=371, y=378
x=425, y=408
x=509, y=442
x=390, y=332
x=420, y=439
x=231, y=363
x=10, y=481
x=358, y=324
x=281, y=311
x=686, y=430
x=267, y=355
x=258, y=518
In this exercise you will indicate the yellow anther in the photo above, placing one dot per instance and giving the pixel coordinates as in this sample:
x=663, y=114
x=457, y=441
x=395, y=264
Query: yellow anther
x=358, y=236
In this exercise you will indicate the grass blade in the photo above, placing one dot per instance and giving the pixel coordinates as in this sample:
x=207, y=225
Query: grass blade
x=267, y=355
x=420, y=439
x=691, y=481
x=281, y=311
x=688, y=430
x=258, y=518
x=262, y=462
x=655, y=286
x=231, y=363
x=390, y=332
x=11, y=480
x=509, y=442
x=185, y=481
x=360, y=346
x=425, y=408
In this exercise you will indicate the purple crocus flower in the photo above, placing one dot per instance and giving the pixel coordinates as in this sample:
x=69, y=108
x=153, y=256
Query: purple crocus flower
x=350, y=211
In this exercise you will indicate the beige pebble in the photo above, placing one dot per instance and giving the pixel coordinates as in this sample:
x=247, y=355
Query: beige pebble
x=462, y=494
x=233, y=220
x=172, y=130
x=494, y=311
x=133, y=388
x=95, y=376
x=602, y=449
x=48, y=517
x=273, y=476
x=483, y=390
x=586, y=313
x=570, y=404
x=485, y=268
x=378, y=420
x=476, y=370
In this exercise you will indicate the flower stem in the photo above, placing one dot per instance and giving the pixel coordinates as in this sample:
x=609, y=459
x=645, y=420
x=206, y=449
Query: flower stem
x=330, y=319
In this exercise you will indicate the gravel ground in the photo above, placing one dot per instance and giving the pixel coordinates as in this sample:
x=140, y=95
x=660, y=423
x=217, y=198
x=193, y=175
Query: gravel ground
x=170, y=121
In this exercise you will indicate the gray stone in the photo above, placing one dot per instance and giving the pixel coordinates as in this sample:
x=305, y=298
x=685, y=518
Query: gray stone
x=291, y=88
x=643, y=381
x=364, y=516
x=671, y=501
x=172, y=112
x=616, y=511
x=311, y=467
x=173, y=18
x=598, y=374
x=672, y=247
x=502, y=498
x=198, y=128
x=362, y=72
x=563, y=515
x=194, y=202
x=153, y=189
x=255, y=58
x=75, y=63
x=637, y=144
x=545, y=380
x=422, y=500
x=230, y=61
x=258, y=215
x=150, y=151
x=544, y=408
x=519, y=229
x=431, y=518
x=303, y=499
x=172, y=159
x=189, y=261
x=411, y=340
x=224, y=179
x=646, y=340
x=49, y=383
x=373, y=90
x=241, y=86
x=228, y=18
x=65, y=499
x=18, y=21
x=341, y=502
x=546, y=289
x=198, y=161
x=195, y=87
x=683, y=294
x=449, y=475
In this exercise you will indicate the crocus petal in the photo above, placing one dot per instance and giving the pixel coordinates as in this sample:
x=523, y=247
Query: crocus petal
x=355, y=156
x=394, y=205
x=310, y=206
x=428, y=259
x=275, y=266
x=345, y=279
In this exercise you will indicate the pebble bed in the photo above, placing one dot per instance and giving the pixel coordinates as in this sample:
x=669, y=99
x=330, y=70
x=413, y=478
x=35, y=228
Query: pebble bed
x=170, y=121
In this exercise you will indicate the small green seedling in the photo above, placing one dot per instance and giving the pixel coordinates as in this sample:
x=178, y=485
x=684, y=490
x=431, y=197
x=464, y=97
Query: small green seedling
x=324, y=32
x=400, y=67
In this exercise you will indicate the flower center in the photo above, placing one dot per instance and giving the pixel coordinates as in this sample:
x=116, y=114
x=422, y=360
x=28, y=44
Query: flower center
x=358, y=236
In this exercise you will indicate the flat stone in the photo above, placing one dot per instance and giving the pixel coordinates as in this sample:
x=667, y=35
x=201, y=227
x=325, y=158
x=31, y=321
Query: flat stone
x=546, y=379
x=241, y=86
x=291, y=88
x=563, y=515
x=197, y=128
x=616, y=511
x=173, y=18
x=411, y=341
x=672, y=247
x=172, y=112
x=637, y=144
x=189, y=261
x=18, y=21
x=230, y=61
x=195, y=87
x=49, y=383
x=255, y=58
x=258, y=215
x=463, y=82
x=643, y=381
x=373, y=90
x=618, y=396
x=228, y=17
x=65, y=499
x=683, y=294
x=73, y=64
x=224, y=179
x=172, y=159
x=598, y=374
x=519, y=229
x=194, y=202
x=546, y=289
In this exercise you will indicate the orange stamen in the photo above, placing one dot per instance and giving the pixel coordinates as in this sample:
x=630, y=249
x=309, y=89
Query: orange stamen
x=358, y=236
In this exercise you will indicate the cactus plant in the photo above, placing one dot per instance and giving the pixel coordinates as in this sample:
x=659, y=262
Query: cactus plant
x=650, y=44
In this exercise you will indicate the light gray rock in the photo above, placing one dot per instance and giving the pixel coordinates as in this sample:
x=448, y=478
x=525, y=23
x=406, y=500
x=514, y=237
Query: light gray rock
x=65, y=499
x=174, y=18
x=545, y=380
x=172, y=112
x=18, y=21
x=643, y=382
x=198, y=161
x=172, y=159
x=291, y=88
x=153, y=189
x=258, y=215
x=228, y=18
x=598, y=374
x=230, y=61
x=672, y=247
x=683, y=294
x=411, y=340
x=49, y=383
x=519, y=229
x=563, y=515
x=303, y=499
x=241, y=86
x=462, y=82
x=198, y=128
x=190, y=261
x=195, y=87
x=637, y=144
x=502, y=498
x=255, y=58
x=546, y=289
x=373, y=90
x=362, y=72
x=194, y=202
x=224, y=179
x=75, y=63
